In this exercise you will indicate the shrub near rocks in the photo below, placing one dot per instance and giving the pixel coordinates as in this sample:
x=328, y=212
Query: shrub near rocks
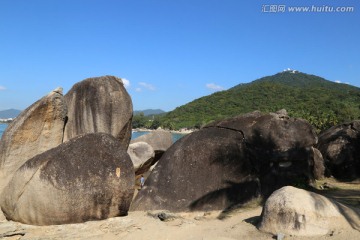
x=89, y=177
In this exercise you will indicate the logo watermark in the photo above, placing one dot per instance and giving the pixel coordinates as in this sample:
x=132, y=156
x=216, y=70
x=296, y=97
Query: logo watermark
x=279, y=8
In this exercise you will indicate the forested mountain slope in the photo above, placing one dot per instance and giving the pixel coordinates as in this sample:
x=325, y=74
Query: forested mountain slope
x=323, y=103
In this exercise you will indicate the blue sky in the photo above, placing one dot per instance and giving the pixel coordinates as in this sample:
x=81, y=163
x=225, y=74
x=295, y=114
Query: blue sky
x=170, y=51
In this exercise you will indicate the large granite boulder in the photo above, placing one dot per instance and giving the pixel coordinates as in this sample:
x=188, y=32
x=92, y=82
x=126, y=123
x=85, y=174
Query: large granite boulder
x=340, y=147
x=293, y=211
x=37, y=129
x=99, y=104
x=159, y=140
x=142, y=155
x=280, y=148
x=89, y=177
x=202, y=171
x=230, y=162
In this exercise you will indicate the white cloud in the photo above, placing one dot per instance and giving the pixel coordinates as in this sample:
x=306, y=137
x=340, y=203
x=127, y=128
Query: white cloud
x=2, y=88
x=147, y=86
x=337, y=81
x=126, y=82
x=214, y=87
x=138, y=89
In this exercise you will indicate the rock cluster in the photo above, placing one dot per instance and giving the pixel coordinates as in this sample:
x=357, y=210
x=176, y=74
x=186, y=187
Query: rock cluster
x=146, y=150
x=49, y=156
x=142, y=155
x=69, y=159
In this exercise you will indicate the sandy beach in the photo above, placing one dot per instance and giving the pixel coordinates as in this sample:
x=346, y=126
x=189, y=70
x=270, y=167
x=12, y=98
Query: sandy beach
x=240, y=224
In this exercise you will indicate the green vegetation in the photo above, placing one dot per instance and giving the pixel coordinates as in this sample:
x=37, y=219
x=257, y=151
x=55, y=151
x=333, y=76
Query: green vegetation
x=323, y=103
x=150, y=122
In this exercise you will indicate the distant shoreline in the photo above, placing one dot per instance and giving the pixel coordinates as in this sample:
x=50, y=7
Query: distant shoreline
x=182, y=131
x=5, y=122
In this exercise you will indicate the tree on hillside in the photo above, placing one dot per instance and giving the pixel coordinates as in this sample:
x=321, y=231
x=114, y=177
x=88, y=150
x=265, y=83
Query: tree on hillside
x=139, y=121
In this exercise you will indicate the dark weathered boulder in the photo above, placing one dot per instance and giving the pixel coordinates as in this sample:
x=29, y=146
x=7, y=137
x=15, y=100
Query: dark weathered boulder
x=275, y=131
x=230, y=162
x=89, y=177
x=340, y=147
x=142, y=155
x=99, y=104
x=37, y=129
x=280, y=147
x=204, y=170
x=159, y=140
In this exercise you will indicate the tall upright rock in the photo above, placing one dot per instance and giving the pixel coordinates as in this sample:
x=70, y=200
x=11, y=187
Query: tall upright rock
x=99, y=104
x=37, y=129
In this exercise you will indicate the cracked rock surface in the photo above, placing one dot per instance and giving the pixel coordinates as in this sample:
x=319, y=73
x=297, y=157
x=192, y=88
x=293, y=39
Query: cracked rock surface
x=231, y=162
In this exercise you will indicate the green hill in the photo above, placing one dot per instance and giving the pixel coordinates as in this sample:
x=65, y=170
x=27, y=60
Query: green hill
x=323, y=103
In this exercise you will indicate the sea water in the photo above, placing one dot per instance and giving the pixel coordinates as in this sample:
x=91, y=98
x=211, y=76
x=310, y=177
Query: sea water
x=2, y=128
x=176, y=136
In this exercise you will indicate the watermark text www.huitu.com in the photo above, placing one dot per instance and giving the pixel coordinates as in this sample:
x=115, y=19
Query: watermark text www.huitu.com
x=278, y=8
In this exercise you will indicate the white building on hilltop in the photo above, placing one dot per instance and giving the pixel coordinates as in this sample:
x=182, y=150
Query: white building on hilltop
x=290, y=70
